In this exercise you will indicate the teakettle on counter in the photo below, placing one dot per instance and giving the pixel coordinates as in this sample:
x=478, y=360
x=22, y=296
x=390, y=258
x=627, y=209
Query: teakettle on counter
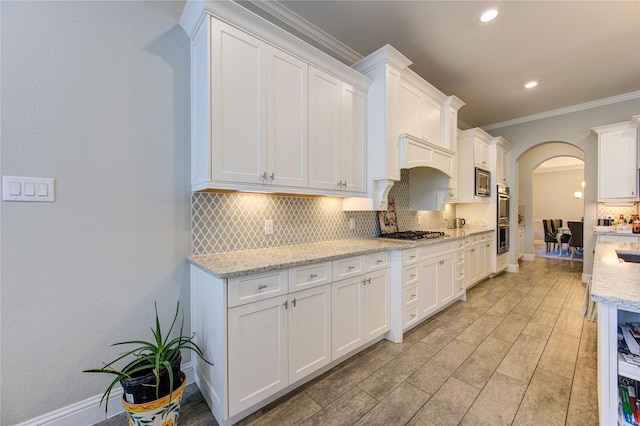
x=458, y=222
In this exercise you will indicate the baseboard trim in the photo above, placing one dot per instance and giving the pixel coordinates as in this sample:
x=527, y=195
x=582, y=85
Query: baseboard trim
x=89, y=411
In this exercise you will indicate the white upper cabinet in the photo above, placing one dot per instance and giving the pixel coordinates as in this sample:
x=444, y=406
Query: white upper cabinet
x=336, y=134
x=481, y=153
x=502, y=148
x=252, y=101
x=617, y=162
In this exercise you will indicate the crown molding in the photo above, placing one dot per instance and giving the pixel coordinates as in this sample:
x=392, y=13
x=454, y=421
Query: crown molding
x=328, y=43
x=565, y=110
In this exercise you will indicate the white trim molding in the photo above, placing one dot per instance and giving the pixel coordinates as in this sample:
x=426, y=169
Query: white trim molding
x=566, y=110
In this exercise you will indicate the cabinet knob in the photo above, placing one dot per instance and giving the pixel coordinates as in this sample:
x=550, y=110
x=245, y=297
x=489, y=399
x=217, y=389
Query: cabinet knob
x=413, y=315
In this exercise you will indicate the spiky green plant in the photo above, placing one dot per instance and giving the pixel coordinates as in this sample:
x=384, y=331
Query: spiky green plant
x=150, y=356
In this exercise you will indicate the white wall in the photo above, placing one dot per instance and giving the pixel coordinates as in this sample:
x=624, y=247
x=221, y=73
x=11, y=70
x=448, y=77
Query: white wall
x=573, y=129
x=95, y=95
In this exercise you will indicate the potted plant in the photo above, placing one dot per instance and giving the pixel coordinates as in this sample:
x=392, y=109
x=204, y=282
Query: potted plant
x=151, y=379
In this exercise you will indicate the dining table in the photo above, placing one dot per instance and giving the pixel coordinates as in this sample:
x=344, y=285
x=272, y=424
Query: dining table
x=560, y=232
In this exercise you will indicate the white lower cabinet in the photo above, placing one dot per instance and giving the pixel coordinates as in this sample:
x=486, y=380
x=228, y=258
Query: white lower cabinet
x=309, y=324
x=360, y=311
x=269, y=332
x=258, y=352
x=478, y=258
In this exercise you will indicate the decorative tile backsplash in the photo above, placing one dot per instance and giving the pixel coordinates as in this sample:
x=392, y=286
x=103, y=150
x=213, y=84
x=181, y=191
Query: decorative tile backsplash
x=226, y=222
x=606, y=211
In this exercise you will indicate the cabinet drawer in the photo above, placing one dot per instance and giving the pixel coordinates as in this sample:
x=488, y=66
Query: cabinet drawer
x=435, y=250
x=378, y=260
x=309, y=276
x=460, y=244
x=249, y=288
x=409, y=256
x=460, y=259
x=410, y=275
x=348, y=267
x=471, y=240
x=410, y=316
x=460, y=274
x=409, y=295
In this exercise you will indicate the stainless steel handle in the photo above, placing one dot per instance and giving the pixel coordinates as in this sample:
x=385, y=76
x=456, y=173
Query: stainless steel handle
x=294, y=302
x=413, y=315
x=286, y=304
x=413, y=256
x=351, y=267
x=368, y=280
x=264, y=176
x=380, y=260
x=441, y=262
x=312, y=276
x=260, y=287
x=340, y=183
x=413, y=295
x=344, y=183
x=273, y=176
x=412, y=276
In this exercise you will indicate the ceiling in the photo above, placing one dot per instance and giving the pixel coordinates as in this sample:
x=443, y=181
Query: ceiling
x=579, y=51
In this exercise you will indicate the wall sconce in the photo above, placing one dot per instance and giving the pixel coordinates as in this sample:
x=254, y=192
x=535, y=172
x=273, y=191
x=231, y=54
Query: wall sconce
x=578, y=195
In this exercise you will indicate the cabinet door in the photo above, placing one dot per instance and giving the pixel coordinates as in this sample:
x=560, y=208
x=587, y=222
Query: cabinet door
x=471, y=265
x=257, y=351
x=618, y=164
x=238, y=94
x=487, y=257
x=309, y=331
x=428, y=288
x=347, y=316
x=353, y=143
x=446, y=280
x=376, y=304
x=325, y=98
x=501, y=164
x=481, y=154
x=287, y=106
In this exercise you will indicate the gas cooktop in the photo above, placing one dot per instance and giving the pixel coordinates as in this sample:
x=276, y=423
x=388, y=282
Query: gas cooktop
x=414, y=235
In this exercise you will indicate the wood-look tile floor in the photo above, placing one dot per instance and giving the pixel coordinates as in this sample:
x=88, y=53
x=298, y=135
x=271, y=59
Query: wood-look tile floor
x=516, y=352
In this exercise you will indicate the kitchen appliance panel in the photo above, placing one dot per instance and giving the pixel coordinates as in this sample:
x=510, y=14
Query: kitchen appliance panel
x=503, y=204
x=503, y=238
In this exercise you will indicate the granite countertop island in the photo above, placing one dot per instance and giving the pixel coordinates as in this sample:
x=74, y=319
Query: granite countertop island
x=232, y=264
x=614, y=282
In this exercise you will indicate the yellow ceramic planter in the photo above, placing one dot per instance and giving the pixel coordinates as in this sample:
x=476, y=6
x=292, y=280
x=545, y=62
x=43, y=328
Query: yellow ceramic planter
x=161, y=412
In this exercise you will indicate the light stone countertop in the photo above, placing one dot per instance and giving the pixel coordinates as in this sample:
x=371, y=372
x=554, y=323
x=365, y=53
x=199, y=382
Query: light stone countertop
x=237, y=263
x=614, y=282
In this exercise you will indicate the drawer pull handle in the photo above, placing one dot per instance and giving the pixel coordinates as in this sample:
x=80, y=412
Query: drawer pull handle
x=412, y=276
x=351, y=267
x=413, y=315
x=380, y=260
x=413, y=296
x=313, y=276
x=261, y=286
x=294, y=302
x=413, y=256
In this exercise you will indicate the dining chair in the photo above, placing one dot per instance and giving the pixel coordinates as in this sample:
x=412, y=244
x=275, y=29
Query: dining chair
x=550, y=235
x=575, y=241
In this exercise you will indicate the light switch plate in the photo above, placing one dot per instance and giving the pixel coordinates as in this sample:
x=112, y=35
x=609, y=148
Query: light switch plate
x=17, y=188
x=268, y=227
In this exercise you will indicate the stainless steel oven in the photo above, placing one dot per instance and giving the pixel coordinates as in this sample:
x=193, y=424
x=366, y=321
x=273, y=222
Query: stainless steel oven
x=503, y=204
x=503, y=238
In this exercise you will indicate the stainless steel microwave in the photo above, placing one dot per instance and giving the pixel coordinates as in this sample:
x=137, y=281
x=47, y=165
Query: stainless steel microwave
x=483, y=182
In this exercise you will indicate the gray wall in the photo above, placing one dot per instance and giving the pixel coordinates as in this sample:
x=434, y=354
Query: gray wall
x=95, y=95
x=572, y=129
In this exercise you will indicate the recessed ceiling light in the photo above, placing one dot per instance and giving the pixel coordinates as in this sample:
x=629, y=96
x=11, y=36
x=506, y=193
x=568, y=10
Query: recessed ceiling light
x=531, y=85
x=489, y=14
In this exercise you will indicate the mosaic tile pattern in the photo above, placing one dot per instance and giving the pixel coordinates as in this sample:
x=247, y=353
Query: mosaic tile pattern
x=227, y=222
x=605, y=211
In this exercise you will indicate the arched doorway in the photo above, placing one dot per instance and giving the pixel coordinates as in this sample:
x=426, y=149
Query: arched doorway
x=525, y=167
